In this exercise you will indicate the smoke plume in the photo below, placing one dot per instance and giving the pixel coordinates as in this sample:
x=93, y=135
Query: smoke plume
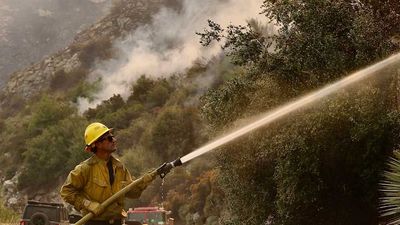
x=168, y=45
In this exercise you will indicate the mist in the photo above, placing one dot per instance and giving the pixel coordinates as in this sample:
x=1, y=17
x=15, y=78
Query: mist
x=168, y=45
x=32, y=29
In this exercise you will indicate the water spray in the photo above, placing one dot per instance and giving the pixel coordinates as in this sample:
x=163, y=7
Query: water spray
x=281, y=111
x=266, y=118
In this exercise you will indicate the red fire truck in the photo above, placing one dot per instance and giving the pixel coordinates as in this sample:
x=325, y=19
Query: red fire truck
x=148, y=216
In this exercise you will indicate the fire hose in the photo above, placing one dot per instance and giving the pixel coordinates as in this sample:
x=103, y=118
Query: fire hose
x=162, y=171
x=265, y=119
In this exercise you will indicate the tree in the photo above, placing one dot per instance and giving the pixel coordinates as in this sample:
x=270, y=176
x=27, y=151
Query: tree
x=317, y=41
x=47, y=112
x=53, y=153
x=173, y=133
x=321, y=165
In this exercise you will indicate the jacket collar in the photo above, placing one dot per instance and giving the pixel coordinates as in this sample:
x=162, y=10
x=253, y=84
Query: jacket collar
x=95, y=160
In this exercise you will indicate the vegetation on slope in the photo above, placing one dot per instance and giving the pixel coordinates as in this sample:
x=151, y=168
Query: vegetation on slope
x=321, y=165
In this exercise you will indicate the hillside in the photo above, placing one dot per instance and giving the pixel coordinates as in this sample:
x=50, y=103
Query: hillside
x=32, y=29
x=43, y=97
x=142, y=71
x=38, y=76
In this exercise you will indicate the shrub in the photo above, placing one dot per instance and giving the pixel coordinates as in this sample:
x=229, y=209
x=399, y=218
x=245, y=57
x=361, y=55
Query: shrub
x=63, y=81
x=47, y=112
x=53, y=153
x=7, y=215
x=100, y=48
x=173, y=133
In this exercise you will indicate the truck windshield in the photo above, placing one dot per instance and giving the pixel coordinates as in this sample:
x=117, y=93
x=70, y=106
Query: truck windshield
x=155, y=216
x=136, y=217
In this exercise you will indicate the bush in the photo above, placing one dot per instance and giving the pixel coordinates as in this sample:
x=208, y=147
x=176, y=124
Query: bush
x=63, y=81
x=14, y=138
x=129, y=137
x=139, y=160
x=53, y=153
x=7, y=215
x=83, y=90
x=174, y=133
x=307, y=167
x=100, y=48
x=47, y=112
x=11, y=105
x=319, y=166
x=107, y=106
x=151, y=93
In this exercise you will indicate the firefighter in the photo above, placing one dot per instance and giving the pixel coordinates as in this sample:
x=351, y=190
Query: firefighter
x=99, y=177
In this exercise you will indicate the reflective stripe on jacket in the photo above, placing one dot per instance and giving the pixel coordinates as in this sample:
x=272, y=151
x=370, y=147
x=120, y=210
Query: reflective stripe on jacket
x=90, y=181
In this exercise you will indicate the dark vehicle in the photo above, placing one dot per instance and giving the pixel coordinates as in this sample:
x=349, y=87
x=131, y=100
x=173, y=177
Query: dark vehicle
x=148, y=216
x=41, y=213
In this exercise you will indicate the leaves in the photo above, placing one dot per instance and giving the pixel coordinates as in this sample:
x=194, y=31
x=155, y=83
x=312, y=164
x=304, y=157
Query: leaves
x=390, y=190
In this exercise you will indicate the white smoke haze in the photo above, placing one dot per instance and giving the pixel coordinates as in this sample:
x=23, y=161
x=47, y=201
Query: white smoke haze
x=31, y=30
x=168, y=45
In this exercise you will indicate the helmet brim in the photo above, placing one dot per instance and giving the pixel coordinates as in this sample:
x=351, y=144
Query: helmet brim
x=98, y=136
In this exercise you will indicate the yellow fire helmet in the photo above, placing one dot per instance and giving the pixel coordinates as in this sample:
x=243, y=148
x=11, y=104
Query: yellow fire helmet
x=94, y=131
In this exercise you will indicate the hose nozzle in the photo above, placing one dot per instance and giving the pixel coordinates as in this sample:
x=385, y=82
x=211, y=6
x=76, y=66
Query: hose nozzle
x=165, y=168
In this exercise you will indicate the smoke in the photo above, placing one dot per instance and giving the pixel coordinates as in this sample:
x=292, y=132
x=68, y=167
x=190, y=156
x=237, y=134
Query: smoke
x=32, y=29
x=168, y=45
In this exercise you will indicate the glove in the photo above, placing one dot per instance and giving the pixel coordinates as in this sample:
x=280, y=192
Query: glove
x=149, y=177
x=93, y=207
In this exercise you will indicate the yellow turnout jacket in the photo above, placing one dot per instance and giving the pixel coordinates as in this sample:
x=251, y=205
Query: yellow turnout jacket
x=90, y=181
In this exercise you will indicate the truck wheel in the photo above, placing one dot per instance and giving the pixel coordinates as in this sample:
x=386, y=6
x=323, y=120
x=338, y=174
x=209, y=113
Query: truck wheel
x=39, y=219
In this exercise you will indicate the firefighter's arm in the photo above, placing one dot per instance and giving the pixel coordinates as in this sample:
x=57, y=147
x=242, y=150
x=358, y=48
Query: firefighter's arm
x=136, y=191
x=71, y=191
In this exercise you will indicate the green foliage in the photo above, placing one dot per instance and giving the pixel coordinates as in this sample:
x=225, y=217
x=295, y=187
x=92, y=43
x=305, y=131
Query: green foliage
x=306, y=168
x=100, y=48
x=389, y=202
x=151, y=93
x=319, y=166
x=317, y=40
x=7, y=215
x=63, y=81
x=140, y=89
x=140, y=160
x=388, y=12
x=47, y=112
x=83, y=90
x=241, y=96
x=12, y=105
x=14, y=136
x=192, y=195
x=173, y=133
x=132, y=135
x=57, y=150
x=107, y=106
x=322, y=165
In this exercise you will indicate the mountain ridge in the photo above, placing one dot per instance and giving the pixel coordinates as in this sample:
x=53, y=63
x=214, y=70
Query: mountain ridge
x=124, y=17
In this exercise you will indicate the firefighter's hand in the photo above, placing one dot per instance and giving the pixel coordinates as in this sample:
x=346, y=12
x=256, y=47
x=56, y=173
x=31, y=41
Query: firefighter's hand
x=149, y=177
x=93, y=207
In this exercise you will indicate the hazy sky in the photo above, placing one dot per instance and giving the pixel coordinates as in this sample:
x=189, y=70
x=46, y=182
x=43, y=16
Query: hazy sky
x=32, y=29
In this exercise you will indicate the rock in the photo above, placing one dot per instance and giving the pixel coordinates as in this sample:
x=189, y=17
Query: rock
x=13, y=198
x=12, y=201
x=9, y=186
x=38, y=76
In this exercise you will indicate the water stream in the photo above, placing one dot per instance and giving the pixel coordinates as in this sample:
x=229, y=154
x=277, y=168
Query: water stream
x=283, y=110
